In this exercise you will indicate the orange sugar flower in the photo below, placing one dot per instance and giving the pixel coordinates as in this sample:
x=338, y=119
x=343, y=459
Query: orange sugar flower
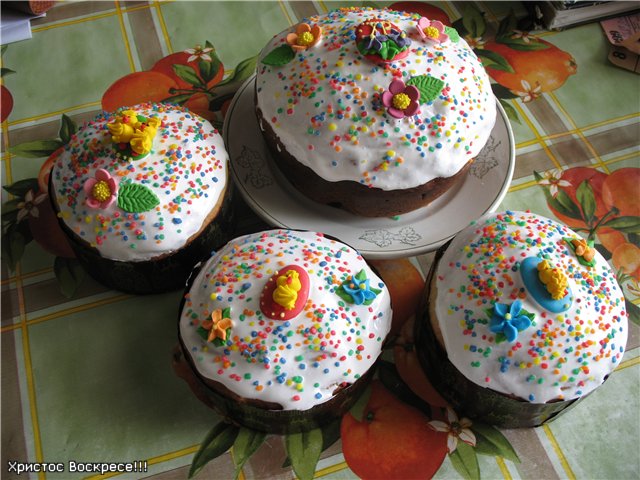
x=218, y=327
x=305, y=36
x=583, y=249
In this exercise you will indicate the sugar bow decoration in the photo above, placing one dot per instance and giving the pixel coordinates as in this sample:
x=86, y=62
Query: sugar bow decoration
x=134, y=132
x=508, y=320
x=101, y=190
x=401, y=100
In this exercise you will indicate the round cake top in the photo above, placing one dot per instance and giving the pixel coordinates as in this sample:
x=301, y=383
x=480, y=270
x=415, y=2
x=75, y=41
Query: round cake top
x=387, y=99
x=528, y=308
x=286, y=317
x=140, y=182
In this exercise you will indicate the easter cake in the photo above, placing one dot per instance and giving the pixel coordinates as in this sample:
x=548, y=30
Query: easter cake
x=279, y=330
x=521, y=318
x=143, y=194
x=374, y=111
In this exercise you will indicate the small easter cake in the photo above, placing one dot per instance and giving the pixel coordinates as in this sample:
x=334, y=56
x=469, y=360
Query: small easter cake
x=143, y=194
x=279, y=330
x=374, y=111
x=521, y=318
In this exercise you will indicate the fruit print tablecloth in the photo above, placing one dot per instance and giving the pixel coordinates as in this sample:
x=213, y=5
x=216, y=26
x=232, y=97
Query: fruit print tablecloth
x=87, y=383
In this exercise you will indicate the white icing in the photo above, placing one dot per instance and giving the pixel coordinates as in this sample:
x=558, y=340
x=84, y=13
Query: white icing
x=564, y=355
x=186, y=170
x=314, y=99
x=322, y=342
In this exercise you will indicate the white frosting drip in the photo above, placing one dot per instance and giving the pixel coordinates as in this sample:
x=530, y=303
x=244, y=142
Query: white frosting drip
x=296, y=363
x=325, y=106
x=186, y=170
x=564, y=355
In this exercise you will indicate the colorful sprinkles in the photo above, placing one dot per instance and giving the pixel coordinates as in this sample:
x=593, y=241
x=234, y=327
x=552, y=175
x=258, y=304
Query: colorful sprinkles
x=326, y=105
x=297, y=362
x=182, y=180
x=562, y=355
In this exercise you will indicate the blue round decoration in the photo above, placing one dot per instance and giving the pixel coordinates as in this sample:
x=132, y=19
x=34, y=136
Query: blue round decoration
x=537, y=289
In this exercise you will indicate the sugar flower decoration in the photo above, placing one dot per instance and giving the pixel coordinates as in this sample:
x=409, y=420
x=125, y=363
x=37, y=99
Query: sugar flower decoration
x=29, y=206
x=400, y=38
x=456, y=430
x=375, y=42
x=432, y=30
x=401, y=100
x=305, y=36
x=134, y=130
x=217, y=326
x=553, y=279
x=583, y=249
x=358, y=290
x=100, y=190
x=509, y=320
x=199, y=53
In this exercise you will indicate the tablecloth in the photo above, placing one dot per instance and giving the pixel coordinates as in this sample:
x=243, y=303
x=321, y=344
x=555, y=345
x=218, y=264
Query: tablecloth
x=86, y=371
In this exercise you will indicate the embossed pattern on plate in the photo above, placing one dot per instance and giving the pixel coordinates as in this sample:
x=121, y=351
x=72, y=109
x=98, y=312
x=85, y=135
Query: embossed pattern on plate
x=278, y=203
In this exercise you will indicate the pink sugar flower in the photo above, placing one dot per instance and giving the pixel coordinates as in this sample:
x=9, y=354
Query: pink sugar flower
x=100, y=190
x=401, y=100
x=305, y=36
x=432, y=30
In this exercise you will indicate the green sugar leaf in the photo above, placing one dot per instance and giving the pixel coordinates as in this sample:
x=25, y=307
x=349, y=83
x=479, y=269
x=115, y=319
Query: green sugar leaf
x=135, y=198
x=453, y=34
x=279, y=56
x=429, y=87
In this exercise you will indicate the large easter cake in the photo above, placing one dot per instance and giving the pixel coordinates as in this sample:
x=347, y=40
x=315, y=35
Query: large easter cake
x=521, y=317
x=279, y=330
x=143, y=194
x=374, y=111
